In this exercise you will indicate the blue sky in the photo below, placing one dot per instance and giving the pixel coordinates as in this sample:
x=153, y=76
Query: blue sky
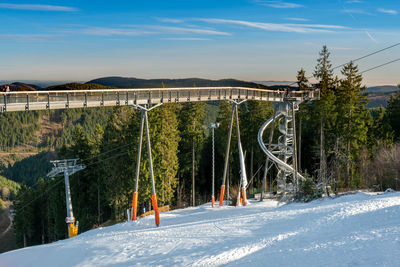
x=249, y=39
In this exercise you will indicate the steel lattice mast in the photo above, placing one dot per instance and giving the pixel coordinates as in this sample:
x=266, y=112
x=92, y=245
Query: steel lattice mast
x=283, y=153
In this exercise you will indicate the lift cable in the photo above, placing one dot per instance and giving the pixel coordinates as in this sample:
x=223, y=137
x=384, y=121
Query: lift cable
x=373, y=53
x=384, y=64
x=357, y=59
x=58, y=182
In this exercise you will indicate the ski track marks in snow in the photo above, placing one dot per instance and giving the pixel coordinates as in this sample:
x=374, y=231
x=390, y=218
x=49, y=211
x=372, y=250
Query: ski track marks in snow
x=352, y=230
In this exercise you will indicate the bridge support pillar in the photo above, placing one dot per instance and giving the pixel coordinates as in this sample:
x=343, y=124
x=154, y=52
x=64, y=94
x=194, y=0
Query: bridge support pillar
x=144, y=122
x=243, y=180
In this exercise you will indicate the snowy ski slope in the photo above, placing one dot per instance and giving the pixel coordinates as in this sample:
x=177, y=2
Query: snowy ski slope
x=353, y=230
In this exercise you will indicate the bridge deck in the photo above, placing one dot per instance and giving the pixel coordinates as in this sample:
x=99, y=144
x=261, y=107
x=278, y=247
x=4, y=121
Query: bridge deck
x=41, y=100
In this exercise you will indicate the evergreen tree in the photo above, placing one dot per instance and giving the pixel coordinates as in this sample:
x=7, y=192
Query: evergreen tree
x=221, y=140
x=119, y=146
x=252, y=116
x=303, y=115
x=393, y=114
x=165, y=138
x=352, y=118
x=323, y=109
x=302, y=80
x=379, y=132
x=191, y=119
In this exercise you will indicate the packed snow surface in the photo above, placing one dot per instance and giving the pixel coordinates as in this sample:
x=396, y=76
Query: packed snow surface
x=353, y=230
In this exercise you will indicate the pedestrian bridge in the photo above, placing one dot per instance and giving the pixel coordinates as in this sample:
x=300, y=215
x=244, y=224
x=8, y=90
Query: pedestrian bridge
x=284, y=157
x=42, y=100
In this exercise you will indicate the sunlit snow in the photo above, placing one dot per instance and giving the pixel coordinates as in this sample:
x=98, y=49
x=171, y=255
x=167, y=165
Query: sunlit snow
x=353, y=230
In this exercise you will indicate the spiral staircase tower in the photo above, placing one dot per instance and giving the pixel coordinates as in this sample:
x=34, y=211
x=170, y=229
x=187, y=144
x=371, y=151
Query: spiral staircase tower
x=283, y=152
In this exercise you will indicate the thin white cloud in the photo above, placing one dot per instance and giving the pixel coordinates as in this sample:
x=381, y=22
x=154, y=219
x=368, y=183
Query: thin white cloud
x=321, y=26
x=371, y=37
x=186, y=39
x=169, y=20
x=183, y=30
x=140, y=30
x=297, y=28
x=342, y=48
x=354, y=2
x=357, y=11
x=103, y=31
x=297, y=19
x=27, y=37
x=387, y=11
x=279, y=4
x=35, y=7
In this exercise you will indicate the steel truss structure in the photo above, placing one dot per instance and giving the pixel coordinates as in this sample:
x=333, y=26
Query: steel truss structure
x=283, y=153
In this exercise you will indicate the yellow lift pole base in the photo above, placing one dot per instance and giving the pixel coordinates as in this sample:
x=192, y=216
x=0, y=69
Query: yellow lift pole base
x=72, y=227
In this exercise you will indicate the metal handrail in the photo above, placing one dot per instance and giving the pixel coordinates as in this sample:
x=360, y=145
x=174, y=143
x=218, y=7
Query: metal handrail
x=40, y=100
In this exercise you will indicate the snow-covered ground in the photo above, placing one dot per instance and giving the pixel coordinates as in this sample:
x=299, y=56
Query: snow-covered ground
x=353, y=230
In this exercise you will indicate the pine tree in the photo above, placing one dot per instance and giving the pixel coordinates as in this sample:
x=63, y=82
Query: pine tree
x=252, y=115
x=381, y=129
x=165, y=138
x=352, y=117
x=393, y=114
x=120, y=136
x=323, y=111
x=303, y=114
x=191, y=119
x=302, y=80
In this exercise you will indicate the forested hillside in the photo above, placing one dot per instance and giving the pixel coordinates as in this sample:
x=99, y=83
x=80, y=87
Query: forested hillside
x=76, y=86
x=122, y=82
x=8, y=189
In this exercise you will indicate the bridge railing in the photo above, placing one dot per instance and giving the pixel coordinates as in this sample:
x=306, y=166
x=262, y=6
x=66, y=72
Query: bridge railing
x=39, y=100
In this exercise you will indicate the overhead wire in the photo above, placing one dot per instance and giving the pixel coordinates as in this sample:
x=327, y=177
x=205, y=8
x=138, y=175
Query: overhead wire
x=93, y=163
x=384, y=64
x=42, y=194
x=108, y=151
x=371, y=54
x=58, y=182
x=357, y=59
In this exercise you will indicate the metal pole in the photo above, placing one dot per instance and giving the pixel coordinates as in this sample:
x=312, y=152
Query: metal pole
x=153, y=188
x=228, y=180
x=271, y=135
x=221, y=197
x=135, y=193
x=243, y=180
x=294, y=149
x=70, y=220
x=193, y=175
x=70, y=214
x=299, y=151
x=213, y=169
x=193, y=169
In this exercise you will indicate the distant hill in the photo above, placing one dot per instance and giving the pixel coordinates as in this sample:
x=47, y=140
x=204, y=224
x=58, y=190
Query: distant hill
x=122, y=82
x=77, y=86
x=276, y=83
x=19, y=86
x=382, y=89
x=39, y=83
x=379, y=95
x=377, y=99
